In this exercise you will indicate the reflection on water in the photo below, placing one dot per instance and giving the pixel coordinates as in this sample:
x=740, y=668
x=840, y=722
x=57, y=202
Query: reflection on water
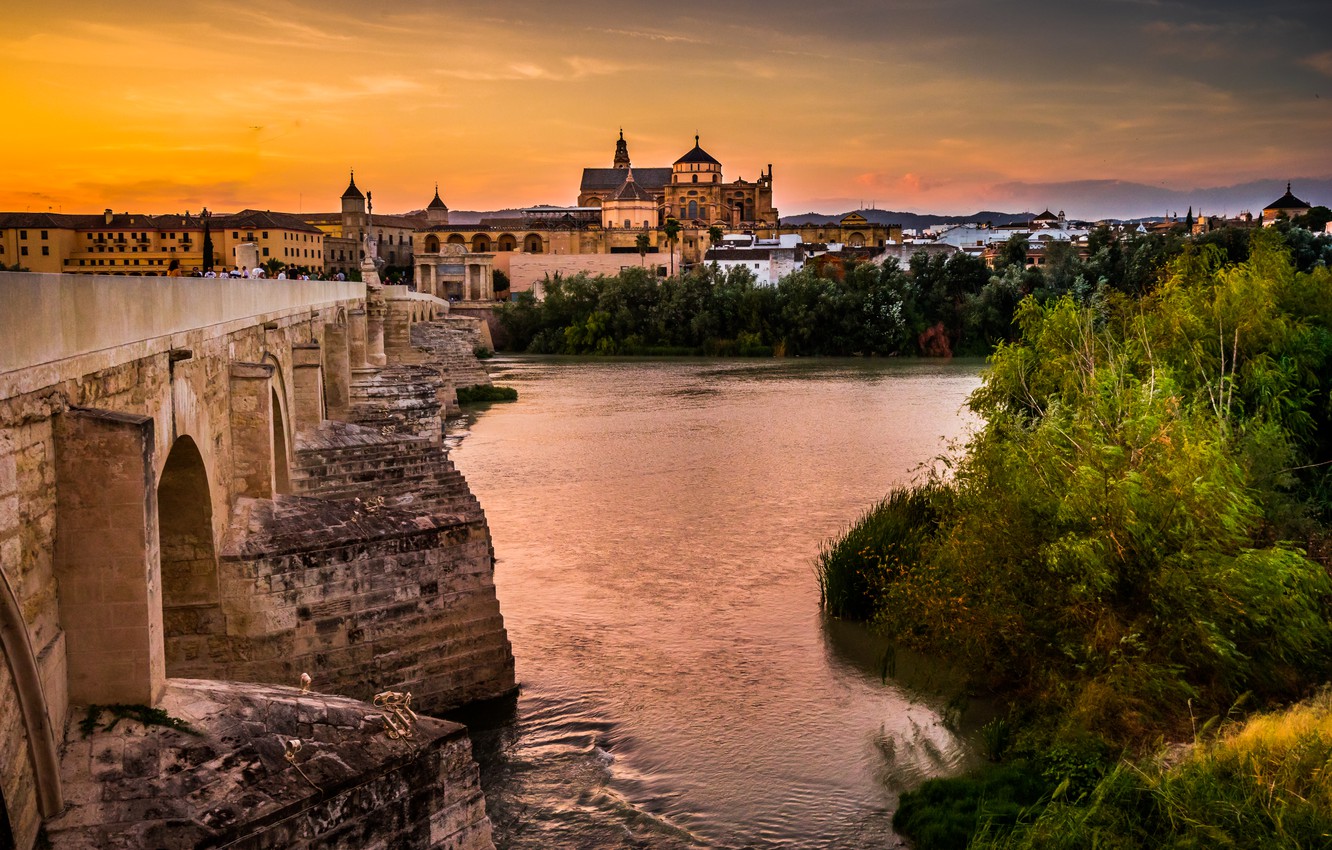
x=655, y=527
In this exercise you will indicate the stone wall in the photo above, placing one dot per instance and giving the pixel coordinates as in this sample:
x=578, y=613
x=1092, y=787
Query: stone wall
x=228, y=783
x=193, y=437
x=363, y=592
x=450, y=345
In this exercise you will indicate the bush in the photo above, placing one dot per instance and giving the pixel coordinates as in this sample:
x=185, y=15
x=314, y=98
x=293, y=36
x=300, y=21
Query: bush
x=1263, y=783
x=1112, y=548
x=856, y=569
x=943, y=814
x=483, y=393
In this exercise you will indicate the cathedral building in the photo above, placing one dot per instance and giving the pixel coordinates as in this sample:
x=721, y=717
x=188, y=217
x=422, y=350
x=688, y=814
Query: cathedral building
x=692, y=190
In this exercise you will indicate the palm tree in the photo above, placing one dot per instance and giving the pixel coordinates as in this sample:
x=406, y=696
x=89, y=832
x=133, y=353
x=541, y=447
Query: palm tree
x=642, y=242
x=672, y=231
x=714, y=234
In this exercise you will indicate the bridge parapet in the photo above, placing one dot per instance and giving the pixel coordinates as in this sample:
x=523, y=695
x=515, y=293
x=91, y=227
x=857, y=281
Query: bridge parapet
x=51, y=319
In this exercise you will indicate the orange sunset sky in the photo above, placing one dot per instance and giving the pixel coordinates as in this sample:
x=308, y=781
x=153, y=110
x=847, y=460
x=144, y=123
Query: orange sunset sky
x=946, y=107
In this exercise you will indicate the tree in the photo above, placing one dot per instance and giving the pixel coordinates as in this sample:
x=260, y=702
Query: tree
x=672, y=231
x=272, y=266
x=641, y=243
x=714, y=234
x=1315, y=219
x=207, y=244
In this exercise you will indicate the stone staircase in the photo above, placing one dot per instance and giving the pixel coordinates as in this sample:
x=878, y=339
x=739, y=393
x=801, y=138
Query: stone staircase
x=401, y=399
x=450, y=344
x=345, y=461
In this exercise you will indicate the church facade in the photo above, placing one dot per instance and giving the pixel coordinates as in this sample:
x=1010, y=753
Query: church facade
x=693, y=190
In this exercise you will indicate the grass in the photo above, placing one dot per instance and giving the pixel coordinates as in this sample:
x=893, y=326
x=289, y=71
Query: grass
x=139, y=713
x=886, y=541
x=482, y=393
x=1265, y=783
x=943, y=814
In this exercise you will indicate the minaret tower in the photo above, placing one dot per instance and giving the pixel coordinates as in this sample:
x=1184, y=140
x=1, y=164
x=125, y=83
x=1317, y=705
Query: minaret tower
x=621, y=152
x=353, y=208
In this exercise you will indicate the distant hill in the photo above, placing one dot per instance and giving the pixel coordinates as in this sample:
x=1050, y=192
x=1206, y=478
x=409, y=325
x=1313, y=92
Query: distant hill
x=910, y=221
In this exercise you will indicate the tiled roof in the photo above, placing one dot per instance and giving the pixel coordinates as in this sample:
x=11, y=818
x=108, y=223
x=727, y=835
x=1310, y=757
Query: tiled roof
x=610, y=178
x=436, y=203
x=1287, y=202
x=697, y=155
x=264, y=218
x=714, y=254
x=630, y=190
x=352, y=191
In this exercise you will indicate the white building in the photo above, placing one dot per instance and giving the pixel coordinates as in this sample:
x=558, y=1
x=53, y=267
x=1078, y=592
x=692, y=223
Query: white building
x=769, y=260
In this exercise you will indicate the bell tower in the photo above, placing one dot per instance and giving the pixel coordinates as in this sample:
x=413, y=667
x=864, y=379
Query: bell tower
x=621, y=152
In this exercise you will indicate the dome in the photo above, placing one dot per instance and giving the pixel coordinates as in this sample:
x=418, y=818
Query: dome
x=697, y=156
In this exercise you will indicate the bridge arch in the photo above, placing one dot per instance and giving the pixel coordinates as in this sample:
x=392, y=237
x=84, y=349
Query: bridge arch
x=283, y=435
x=191, y=593
x=21, y=673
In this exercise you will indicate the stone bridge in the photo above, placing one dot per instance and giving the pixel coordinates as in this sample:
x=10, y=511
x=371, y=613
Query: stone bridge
x=205, y=482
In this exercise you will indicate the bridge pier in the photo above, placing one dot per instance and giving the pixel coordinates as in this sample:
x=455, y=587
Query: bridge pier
x=306, y=386
x=252, y=449
x=106, y=557
x=356, y=340
x=337, y=371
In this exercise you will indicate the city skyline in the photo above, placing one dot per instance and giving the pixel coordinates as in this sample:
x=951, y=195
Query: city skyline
x=943, y=107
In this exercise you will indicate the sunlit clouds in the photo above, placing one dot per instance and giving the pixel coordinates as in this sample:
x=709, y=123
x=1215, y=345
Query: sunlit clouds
x=939, y=106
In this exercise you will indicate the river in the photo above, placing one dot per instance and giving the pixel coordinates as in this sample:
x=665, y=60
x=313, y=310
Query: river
x=656, y=524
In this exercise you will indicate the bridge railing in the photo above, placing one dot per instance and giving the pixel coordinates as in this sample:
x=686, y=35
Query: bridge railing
x=45, y=318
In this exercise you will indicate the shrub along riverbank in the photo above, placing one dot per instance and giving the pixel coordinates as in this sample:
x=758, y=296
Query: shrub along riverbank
x=934, y=306
x=1122, y=550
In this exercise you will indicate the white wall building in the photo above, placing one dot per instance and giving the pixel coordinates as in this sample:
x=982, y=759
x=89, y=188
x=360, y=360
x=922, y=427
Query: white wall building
x=769, y=260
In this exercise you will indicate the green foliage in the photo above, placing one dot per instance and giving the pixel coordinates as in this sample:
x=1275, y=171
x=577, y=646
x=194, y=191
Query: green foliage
x=482, y=353
x=1259, y=784
x=857, y=570
x=997, y=738
x=944, y=813
x=1119, y=535
x=482, y=393
x=141, y=714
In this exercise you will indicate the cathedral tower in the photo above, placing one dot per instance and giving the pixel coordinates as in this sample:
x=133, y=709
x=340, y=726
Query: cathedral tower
x=621, y=152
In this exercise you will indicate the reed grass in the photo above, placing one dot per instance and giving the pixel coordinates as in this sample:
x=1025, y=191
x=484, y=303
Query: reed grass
x=884, y=543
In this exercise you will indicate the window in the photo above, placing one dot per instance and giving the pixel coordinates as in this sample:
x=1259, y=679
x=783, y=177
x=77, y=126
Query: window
x=695, y=178
x=46, y=250
x=265, y=252
x=44, y=236
x=265, y=234
x=23, y=234
x=627, y=225
x=23, y=250
x=235, y=235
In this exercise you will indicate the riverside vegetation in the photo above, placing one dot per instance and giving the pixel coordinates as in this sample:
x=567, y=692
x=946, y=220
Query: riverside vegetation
x=1131, y=550
x=936, y=305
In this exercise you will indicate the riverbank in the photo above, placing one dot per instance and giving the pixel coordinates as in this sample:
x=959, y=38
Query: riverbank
x=1122, y=550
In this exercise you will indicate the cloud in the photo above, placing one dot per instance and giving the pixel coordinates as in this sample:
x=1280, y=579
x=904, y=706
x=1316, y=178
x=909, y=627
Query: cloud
x=1320, y=62
x=650, y=36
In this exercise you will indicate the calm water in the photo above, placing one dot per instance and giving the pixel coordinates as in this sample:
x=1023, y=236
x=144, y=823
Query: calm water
x=655, y=527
